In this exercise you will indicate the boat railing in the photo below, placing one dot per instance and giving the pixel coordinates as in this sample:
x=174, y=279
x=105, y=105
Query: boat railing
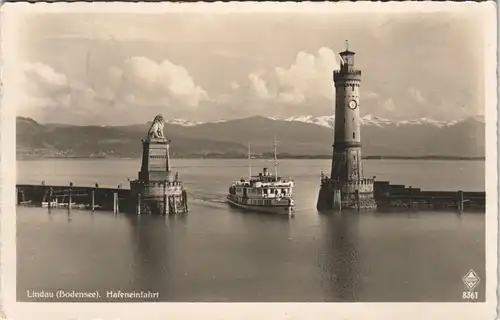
x=272, y=179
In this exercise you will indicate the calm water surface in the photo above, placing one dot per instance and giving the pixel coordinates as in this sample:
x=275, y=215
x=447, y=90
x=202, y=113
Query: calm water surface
x=215, y=253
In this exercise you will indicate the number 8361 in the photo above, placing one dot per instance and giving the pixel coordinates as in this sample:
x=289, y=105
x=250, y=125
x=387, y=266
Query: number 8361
x=469, y=295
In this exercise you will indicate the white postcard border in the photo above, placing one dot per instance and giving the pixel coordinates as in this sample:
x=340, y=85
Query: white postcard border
x=15, y=310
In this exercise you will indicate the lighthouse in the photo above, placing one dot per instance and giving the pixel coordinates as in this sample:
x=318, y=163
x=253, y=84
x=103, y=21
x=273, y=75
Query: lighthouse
x=346, y=187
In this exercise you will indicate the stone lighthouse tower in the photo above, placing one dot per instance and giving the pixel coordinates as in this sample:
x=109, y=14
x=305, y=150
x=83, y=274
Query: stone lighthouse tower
x=346, y=188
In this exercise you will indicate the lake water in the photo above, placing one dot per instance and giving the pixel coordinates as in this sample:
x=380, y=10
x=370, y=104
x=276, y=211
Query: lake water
x=215, y=253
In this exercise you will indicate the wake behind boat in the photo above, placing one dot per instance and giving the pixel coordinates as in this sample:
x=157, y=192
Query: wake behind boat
x=264, y=192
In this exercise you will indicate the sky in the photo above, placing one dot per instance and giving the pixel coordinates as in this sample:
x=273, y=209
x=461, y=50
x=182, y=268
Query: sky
x=123, y=68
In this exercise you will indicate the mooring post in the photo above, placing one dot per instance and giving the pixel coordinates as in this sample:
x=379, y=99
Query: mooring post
x=165, y=204
x=93, y=200
x=50, y=198
x=410, y=197
x=357, y=199
x=340, y=199
x=115, y=202
x=460, y=200
x=69, y=197
x=184, y=200
x=166, y=200
x=138, y=203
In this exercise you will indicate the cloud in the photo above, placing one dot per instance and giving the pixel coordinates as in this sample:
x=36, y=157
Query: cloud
x=369, y=95
x=292, y=97
x=155, y=83
x=139, y=87
x=259, y=86
x=234, y=85
x=417, y=96
x=307, y=82
x=137, y=84
x=307, y=79
x=44, y=76
x=389, y=105
x=310, y=75
x=46, y=91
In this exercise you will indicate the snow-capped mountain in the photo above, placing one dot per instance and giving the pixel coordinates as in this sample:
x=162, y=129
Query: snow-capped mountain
x=305, y=135
x=182, y=122
x=188, y=123
x=325, y=121
x=329, y=121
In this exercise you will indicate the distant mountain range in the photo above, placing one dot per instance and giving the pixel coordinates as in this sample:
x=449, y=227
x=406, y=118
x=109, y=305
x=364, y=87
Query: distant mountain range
x=328, y=121
x=301, y=136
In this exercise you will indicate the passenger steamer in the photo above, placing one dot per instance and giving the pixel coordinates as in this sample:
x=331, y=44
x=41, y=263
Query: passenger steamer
x=264, y=192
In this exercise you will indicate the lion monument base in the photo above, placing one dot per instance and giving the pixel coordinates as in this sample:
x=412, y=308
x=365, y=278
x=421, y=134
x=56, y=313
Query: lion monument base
x=156, y=190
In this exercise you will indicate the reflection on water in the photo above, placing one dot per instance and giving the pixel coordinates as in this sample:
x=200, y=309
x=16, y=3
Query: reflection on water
x=341, y=260
x=229, y=255
x=152, y=255
x=218, y=253
x=154, y=241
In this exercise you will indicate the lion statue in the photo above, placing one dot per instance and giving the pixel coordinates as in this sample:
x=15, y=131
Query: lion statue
x=156, y=129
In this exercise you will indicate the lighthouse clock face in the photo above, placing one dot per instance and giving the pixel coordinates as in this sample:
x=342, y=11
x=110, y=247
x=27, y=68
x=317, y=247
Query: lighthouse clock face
x=353, y=104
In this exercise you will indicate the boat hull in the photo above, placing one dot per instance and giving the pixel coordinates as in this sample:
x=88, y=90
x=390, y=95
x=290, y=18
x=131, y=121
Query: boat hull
x=282, y=210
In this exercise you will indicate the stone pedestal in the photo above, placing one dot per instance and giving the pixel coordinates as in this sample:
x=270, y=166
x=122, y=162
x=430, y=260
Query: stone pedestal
x=348, y=195
x=155, y=160
x=156, y=189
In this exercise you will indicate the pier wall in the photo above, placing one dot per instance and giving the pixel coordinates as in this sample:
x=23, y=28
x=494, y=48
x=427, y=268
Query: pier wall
x=81, y=197
x=151, y=197
x=389, y=195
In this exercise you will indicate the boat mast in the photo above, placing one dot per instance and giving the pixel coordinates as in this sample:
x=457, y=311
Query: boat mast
x=249, y=163
x=275, y=159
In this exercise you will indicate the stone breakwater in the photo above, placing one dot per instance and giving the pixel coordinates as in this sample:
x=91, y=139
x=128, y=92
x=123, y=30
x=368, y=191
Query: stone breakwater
x=389, y=195
x=77, y=197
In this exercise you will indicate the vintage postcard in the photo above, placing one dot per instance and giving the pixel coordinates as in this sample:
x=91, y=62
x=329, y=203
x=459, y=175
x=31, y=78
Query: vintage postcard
x=255, y=160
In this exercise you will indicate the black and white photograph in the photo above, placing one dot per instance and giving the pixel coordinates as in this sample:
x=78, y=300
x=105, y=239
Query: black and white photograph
x=266, y=152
